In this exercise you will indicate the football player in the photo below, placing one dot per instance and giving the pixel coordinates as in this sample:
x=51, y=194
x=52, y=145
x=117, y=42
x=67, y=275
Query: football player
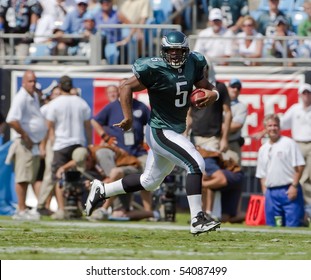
x=169, y=80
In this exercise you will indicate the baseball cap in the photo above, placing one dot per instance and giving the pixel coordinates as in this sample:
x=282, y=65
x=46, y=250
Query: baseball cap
x=235, y=82
x=88, y=16
x=65, y=83
x=280, y=19
x=304, y=87
x=79, y=155
x=82, y=1
x=215, y=14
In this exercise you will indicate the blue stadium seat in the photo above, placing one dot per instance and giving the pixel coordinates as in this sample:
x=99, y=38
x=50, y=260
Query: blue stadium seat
x=287, y=6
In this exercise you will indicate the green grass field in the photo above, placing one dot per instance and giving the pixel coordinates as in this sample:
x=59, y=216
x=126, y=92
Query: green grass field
x=84, y=240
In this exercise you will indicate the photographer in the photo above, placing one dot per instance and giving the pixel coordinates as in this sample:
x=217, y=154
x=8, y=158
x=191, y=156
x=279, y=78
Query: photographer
x=224, y=175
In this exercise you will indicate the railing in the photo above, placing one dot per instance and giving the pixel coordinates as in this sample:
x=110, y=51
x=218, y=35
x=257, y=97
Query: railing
x=126, y=54
x=265, y=60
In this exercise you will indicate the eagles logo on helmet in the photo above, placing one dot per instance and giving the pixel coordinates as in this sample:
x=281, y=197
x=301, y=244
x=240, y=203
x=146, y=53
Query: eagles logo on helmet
x=175, y=49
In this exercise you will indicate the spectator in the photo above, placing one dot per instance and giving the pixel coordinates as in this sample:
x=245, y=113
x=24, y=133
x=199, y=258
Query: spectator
x=93, y=7
x=266, y=20
x=210, y=46
x=297, y=118
x=73, y=24
x=128, y=11
x=88, y=29
x=249, y=48
x=130, y=141
x=47, y=186
x=304, y=29
x=168, y=147
x=110, y=36
x=276, y=46
x=233, y=12
x=226, y=176
x=53, y=15
x=134, y=12
x=69, y=124
x=182, y=14
x=239, y=113
x=108, y=15
x=26, y=119
x=19, y=17
x=279, y=168
x=112, y=92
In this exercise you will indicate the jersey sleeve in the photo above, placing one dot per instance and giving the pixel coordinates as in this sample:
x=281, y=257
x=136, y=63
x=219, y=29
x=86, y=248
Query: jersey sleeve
x=143, y=70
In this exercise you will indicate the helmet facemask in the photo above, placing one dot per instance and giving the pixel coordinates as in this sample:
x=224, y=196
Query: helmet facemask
x=175, y=49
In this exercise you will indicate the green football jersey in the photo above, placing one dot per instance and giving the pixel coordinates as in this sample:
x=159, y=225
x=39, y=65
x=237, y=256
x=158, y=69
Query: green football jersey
x=169, y=89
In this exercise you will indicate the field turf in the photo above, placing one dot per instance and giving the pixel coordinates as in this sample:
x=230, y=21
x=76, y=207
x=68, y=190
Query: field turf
x=84, y=240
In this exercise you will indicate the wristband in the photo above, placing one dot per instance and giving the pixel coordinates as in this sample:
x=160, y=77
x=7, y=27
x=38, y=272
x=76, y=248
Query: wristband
x=1, y=26
x=214, y=90
x=105, y=137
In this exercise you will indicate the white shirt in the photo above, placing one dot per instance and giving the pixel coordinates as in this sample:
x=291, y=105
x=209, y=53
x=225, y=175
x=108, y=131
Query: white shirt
x=44, y=109
x=251, y=49
x=298, y=120
x=210, y=46
x=68, y=114
x=276, y=161
x=26, y=110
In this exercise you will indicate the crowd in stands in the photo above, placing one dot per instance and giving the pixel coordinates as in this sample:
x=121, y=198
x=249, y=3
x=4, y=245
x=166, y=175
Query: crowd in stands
x=240, y=32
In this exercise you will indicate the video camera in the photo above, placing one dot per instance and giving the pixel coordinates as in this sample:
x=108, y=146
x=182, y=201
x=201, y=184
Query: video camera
x=73, y=184
x=165, y=195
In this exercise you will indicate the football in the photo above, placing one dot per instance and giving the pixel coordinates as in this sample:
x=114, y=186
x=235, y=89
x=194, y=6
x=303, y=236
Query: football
x=196, y=94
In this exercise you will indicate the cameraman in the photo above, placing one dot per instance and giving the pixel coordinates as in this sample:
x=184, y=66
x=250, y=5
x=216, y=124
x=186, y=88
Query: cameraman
x=224, y=175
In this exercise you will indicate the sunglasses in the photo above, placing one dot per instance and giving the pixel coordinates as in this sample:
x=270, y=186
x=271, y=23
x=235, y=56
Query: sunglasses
x=236, y=86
